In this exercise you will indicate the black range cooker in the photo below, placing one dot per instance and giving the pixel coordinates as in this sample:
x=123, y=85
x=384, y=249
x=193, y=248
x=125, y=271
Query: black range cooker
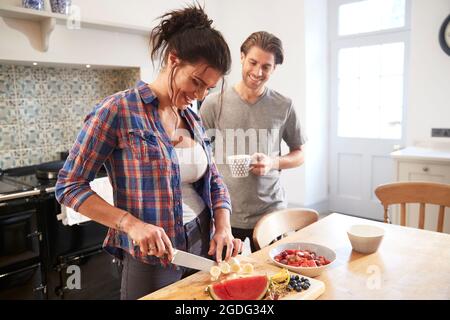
x=40, y=257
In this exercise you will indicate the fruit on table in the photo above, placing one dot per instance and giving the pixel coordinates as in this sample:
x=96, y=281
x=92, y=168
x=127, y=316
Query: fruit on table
x=298, y=283
x=282, y=277
x=247, y=268
x=283, y=282
x=224, y=267
x=245, y=288
x=301, y=258
x=215, y=272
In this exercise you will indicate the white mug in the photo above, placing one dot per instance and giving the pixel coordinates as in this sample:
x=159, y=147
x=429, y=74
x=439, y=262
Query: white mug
x=239, y=165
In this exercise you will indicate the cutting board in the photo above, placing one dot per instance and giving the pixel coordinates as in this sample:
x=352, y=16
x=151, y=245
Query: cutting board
x=193, y=287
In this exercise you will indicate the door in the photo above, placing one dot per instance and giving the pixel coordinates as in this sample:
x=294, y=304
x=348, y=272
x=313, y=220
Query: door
x=99, y=277
x=22, y=284
x=19, y=234
x=369, y=45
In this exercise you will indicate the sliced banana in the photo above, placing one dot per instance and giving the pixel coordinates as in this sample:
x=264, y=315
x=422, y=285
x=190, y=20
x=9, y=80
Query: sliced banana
x=224, y=267
x=232, y=261
x=247, y=268
x=215, y=272
x=236, y=268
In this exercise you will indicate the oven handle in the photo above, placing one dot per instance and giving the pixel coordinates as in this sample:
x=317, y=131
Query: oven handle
x=34, y=266
x=19, y=195
x=35, y=234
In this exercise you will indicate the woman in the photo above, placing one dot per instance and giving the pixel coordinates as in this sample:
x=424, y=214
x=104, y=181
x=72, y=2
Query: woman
x=162, y=198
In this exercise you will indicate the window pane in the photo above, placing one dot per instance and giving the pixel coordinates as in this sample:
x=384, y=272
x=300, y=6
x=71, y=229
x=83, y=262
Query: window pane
x=348, y=65
x=392, y=58
x=348, y=97
x=370, y=91
x=371, y=15
x=391, y=91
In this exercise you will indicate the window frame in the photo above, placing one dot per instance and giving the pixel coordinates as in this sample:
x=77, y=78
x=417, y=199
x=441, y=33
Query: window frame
x=401, y=34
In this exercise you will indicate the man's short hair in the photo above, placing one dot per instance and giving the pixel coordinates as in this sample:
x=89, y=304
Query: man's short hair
x=267, y=42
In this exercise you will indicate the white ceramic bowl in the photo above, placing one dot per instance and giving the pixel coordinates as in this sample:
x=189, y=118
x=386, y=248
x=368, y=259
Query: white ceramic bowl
x=311, y=272
x=365, y=238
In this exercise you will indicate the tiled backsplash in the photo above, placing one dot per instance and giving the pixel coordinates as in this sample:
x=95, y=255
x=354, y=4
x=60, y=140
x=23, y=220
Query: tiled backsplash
x=42, y=109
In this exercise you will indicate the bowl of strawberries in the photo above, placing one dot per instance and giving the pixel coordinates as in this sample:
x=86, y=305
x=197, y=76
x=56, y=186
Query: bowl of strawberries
x=308, y=259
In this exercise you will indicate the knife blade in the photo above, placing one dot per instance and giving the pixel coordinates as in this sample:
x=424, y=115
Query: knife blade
x=189, y=260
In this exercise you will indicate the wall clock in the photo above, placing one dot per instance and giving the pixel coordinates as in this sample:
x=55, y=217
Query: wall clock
x=444, y=35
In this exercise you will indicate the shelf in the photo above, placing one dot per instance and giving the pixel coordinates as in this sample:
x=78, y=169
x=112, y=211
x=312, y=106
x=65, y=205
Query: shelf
x=48, y=20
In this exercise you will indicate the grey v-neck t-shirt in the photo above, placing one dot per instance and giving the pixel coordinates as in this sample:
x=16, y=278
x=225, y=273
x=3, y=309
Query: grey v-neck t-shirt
x=242, y=128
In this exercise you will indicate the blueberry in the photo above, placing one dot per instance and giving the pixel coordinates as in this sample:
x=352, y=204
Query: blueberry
x=298, y=288
x=296, y=277
x=305, y=286
x=304, y=279
x=289, y=287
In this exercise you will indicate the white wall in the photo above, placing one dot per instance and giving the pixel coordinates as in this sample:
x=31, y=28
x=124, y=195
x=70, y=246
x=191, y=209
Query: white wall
x=429, y=77
x=20, y=40
x=237, y=20
x=316, y=45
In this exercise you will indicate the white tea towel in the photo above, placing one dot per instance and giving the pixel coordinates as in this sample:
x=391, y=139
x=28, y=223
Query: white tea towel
x=102, y=187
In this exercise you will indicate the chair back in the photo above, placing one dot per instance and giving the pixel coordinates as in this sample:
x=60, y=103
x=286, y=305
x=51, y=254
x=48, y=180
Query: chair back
x=414, y=192
x=277, y=224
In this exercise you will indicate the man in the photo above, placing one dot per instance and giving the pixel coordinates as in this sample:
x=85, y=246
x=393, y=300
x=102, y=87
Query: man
x=252, y=119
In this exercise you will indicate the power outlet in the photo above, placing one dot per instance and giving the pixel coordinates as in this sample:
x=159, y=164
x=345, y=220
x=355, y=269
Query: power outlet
x=440, y=132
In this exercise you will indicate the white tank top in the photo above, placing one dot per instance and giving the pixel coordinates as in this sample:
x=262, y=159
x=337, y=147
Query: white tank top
x=193, y=164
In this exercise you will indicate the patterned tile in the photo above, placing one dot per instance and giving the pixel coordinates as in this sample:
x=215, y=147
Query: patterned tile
x=55, y=134
x=8, y=112
x=9, y=138
x=57, y=109
x=34, y=135
x=32, y=111
x=78, y=110
x=28, y=81
x=42, y=109
x=11, y=159
x=7, y=89
x=34, y=156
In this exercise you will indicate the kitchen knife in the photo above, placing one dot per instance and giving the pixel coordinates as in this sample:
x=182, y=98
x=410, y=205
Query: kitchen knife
x=189, y=260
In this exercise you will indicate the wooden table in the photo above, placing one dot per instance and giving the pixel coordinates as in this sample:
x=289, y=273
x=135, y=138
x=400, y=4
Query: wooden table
x=410, y=263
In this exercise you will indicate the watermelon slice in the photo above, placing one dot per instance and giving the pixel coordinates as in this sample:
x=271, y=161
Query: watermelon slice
x=245, y=288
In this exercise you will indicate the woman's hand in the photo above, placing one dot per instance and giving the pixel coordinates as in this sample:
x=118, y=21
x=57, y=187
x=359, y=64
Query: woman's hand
x=223, y=237
x=151, y=239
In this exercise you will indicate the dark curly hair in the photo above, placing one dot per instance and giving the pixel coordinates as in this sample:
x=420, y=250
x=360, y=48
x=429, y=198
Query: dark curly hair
x=188, y=33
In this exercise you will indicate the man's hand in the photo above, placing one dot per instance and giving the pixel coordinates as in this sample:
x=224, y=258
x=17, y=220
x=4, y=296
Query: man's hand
x=261, y=164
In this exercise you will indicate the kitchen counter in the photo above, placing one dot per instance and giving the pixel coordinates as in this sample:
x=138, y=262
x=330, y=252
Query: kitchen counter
x=419, y=153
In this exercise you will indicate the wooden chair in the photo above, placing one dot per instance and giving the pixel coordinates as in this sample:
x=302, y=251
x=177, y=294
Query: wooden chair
x=415, y=192
x=276, y=224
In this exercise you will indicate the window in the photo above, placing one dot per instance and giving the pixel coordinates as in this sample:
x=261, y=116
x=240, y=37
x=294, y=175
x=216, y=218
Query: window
x=369, y=50
x=371, y=15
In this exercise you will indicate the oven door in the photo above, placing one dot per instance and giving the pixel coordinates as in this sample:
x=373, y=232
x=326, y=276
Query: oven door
x=90, y=275
x=22, y=284
x=19, y=234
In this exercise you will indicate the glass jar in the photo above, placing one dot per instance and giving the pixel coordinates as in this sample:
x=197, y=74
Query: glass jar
x=61, y=6
x=33, y=4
